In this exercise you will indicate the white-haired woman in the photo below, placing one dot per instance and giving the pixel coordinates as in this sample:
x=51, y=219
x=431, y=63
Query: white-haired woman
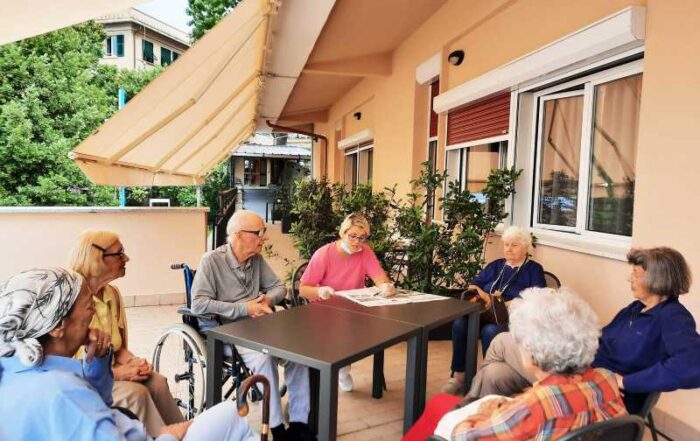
x=557, y=333
x=46, y=393
x=506, y=278
x=343, y=265
x=99, y=257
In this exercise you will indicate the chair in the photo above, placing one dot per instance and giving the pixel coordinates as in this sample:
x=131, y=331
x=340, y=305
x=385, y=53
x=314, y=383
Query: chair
x=180, y=355
x=624, y=428
x=296, y=299
x=551, y=280
x=646, y=413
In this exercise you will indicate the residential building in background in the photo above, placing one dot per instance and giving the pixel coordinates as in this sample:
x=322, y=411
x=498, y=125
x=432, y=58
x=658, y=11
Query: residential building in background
x=138, y=41
x=270, y=159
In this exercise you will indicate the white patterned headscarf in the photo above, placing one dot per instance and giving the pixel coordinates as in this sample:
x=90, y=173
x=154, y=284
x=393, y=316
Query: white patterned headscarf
x=33, y=303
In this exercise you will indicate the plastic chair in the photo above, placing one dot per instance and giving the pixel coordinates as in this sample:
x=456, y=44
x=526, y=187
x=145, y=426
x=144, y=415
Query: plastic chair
x=646, y=413
x=296, y=282
x=624, y=428
x=552, y=280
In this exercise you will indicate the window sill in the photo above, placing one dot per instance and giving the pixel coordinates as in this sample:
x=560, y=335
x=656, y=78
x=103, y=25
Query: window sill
x=615, y=249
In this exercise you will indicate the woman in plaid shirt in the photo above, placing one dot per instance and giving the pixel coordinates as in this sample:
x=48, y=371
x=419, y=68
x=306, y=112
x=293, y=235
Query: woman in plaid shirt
x=557, y=334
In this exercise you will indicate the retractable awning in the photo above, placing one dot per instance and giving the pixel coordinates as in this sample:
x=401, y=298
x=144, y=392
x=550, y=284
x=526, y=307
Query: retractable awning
x=22, y=19
x=187, y=120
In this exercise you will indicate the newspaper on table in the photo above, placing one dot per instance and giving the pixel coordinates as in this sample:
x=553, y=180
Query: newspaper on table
x=373, y=297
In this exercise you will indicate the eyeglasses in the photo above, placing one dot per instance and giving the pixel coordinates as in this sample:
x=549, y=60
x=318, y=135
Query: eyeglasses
x=121, y=254
x=356, y=237
x=259, y=233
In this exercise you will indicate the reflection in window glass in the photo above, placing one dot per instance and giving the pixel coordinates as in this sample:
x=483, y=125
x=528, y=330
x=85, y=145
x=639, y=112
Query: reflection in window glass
x=350, y=171
x=480, y=160
x=453, y=167
x=559, y=160
x=613, y=154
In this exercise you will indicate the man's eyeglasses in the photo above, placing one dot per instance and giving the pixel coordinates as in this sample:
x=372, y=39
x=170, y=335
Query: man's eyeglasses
x=356, y=237
x=121, y=254
x=259, y=233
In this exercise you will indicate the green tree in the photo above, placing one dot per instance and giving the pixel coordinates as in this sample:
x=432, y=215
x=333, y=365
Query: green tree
x=53, y=94
x=207, y=13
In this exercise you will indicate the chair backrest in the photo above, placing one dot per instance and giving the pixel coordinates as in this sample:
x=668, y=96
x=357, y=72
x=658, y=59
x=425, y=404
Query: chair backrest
x=552, y=280
x=296, y=282
x=188, y=273
x=624, y=428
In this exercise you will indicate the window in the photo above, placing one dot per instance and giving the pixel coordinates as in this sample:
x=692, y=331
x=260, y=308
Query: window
x=433, y=91
x=175, y=55
x=165, y=56
x=147, y=47
x=114, y=46
x=358, y=164
x=586, y=144
x=470, y=166
x=255, y=172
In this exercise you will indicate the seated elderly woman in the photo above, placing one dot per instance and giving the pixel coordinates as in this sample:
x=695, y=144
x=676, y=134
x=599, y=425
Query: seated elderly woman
x=99, y=257
x=652, y=344
x=46, y=393
x=343, y=265
x=503, y=278
x=557, y=334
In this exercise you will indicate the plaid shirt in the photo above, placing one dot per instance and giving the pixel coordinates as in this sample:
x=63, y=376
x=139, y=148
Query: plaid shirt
x=550, y=409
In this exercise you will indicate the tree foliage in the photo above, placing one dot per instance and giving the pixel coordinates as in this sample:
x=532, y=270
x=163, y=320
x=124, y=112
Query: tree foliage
x=207, y=13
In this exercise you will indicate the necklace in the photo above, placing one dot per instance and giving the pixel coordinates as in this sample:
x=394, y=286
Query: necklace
x=497, y=282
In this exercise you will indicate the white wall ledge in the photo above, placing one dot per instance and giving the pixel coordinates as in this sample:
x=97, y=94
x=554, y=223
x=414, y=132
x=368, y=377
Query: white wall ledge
x=68, y=210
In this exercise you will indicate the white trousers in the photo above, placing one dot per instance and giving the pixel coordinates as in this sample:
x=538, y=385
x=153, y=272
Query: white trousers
x=296, y=377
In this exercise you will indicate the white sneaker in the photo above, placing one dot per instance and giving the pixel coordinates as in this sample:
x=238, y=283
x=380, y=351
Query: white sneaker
x=345, y=382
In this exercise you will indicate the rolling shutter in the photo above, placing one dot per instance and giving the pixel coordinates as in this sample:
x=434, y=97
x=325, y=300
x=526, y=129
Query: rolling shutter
x=484, y=119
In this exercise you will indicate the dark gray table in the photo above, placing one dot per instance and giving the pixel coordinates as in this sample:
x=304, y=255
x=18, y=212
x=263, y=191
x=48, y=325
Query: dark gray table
x=427, y=316
x=324, y=339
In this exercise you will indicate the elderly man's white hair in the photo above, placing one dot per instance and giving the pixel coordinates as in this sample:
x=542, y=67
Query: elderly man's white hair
x=557, y=327
x=235, y=223
x=519, y=234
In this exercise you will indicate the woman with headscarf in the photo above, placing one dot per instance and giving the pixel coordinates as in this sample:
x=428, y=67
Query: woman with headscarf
x=99, y=256
x=47, y=394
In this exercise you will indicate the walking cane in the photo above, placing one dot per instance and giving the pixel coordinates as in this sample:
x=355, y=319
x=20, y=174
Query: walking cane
x=242, y=403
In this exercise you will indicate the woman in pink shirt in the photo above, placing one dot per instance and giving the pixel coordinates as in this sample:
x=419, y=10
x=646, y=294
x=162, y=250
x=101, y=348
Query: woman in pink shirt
x=342, y=265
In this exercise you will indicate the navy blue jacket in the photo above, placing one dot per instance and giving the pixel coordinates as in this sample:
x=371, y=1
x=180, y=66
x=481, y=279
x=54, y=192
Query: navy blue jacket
x=654, y=351
x=530, y=275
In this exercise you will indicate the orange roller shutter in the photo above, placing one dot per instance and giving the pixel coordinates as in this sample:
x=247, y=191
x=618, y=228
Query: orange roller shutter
x=484, y=119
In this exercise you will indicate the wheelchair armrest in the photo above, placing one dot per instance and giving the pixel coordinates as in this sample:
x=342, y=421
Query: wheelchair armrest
x=184, y=310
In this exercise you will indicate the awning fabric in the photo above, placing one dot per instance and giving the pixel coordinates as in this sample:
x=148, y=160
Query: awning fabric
x=189, y=118
x=22, y=19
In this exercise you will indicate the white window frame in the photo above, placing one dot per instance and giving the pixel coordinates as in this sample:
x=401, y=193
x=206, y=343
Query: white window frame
x=579, y=238
x=355, y=150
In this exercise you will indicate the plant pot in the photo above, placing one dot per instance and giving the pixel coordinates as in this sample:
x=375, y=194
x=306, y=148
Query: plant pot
x=287, y=222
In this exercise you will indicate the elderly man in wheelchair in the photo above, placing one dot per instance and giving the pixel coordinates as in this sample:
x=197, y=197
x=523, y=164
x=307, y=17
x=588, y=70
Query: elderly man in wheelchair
x=233, y=282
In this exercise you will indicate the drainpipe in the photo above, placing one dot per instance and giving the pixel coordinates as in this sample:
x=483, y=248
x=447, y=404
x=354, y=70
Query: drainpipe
x=314, y=136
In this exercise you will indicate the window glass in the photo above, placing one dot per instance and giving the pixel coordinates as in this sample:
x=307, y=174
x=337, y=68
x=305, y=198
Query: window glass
x=480, y=160
x=613, y=155
x=175, y=56
x=432, y=158
x=148, y=51
x=453, y=167
x=350, y=171
x=108, y=46
x=165, y=56
x=120, y=45
x=560, y=141
x=365, y=167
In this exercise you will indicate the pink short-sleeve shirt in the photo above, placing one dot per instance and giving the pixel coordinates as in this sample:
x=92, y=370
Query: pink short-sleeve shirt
x=328, y=267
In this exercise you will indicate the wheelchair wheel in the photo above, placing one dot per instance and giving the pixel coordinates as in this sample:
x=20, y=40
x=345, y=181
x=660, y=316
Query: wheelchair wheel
x=180, y=356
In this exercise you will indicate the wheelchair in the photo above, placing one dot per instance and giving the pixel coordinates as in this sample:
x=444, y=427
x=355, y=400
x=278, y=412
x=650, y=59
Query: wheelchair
x=181, y=356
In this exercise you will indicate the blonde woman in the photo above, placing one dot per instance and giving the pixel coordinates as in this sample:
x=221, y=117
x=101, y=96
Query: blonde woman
x=100, y=258
x=341, y=265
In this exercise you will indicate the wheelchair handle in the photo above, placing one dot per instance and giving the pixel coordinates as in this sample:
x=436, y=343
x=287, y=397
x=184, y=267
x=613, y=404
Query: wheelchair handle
x=242, y=403
x=177, y=266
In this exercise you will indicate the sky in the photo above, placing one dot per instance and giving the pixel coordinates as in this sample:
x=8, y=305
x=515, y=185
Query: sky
x=171, y=12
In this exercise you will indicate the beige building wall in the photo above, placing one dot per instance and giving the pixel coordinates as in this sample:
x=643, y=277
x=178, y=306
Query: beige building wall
x=495, y=32
x=153, y=238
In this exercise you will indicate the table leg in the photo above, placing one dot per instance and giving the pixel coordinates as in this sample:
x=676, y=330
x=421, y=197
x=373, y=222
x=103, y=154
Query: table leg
x=472, y=347
x=215, y=363
x=378, y=375
x=422, y=367
x=314, y=376
x=328, y=404
x=413, y=386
